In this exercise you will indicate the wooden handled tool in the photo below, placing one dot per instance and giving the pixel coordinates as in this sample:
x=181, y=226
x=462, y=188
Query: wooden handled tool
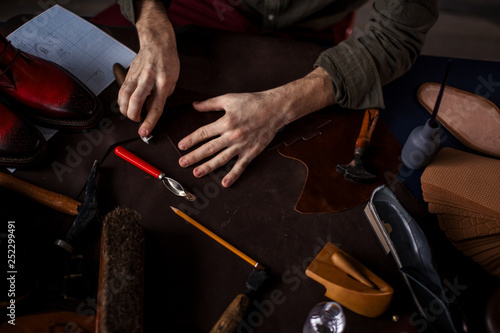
x=365, y=134
x=231, y=318
x=48, y=198
x=355, y=171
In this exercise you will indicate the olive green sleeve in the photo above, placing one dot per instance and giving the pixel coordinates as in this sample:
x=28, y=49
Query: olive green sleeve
x=386, y=49
x=128, y=9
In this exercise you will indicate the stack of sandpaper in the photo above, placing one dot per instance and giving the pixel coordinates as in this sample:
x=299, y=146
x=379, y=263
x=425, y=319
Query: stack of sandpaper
x=463, y=189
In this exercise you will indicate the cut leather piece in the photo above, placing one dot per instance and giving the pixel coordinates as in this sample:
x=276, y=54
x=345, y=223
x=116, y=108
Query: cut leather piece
x=304, y=128
x=472, y=119
x=21, y=144
x=325, y=190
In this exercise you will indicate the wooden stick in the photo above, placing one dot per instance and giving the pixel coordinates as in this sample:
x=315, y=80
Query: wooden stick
x=218, y=239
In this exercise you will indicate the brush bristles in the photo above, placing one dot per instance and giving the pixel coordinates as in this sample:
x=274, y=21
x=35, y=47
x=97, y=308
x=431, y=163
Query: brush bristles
x=121, y=273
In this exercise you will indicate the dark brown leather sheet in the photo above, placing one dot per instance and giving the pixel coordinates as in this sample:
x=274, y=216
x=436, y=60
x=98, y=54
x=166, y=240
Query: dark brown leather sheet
x=325, y=190
x=189, y=278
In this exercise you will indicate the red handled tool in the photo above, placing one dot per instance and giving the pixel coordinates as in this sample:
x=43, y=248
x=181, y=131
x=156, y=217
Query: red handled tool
x=169, y=183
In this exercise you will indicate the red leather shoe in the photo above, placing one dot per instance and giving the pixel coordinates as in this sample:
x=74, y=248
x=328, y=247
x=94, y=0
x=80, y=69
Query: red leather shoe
x=21, y=143
x=52, y=96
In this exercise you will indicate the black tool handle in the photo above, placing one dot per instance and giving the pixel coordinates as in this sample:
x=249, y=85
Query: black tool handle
x=231, y=318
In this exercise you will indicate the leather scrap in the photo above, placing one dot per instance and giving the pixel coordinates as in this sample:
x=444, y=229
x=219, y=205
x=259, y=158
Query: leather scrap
x=325, y=190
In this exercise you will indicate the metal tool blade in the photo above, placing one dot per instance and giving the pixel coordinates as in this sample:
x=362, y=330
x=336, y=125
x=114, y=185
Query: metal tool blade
x=177, y=189
x=86, y=213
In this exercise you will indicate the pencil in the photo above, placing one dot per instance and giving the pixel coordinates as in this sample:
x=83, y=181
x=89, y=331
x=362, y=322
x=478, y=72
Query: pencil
x=218, y=239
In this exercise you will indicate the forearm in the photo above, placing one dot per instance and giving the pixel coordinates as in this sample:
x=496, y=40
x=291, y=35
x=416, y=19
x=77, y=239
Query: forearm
x=303, y=96
x=154, y=72
x=392, y=40
x=153, y=23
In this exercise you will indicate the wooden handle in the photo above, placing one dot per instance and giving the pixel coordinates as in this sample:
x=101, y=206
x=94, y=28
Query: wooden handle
x=120, y=73
x=344, y=264
x=367, y=127
x=231, y=318
x=138, y=162
x=48, y=198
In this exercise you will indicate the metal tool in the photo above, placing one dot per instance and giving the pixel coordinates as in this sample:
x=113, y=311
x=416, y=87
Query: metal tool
x=120, y=74
x=171, y=184
x=86, y=213
x=230, y=319
x=355, y=171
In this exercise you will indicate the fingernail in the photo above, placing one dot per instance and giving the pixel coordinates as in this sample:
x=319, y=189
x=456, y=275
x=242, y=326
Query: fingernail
x=198, y=173
x=225, y=182
x=143, y=132
x=183, y=163
x=182, y=146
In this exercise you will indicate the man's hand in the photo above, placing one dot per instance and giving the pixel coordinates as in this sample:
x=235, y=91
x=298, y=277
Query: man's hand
x=251, y=122
x=155, y=69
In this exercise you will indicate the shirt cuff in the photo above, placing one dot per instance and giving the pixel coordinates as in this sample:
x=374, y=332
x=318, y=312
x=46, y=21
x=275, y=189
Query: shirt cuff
x=127, y=9
x=354, y=76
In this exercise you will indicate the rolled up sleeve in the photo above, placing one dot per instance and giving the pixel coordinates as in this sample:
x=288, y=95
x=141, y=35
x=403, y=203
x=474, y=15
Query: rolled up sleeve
x=128, y=9
x=388, y=47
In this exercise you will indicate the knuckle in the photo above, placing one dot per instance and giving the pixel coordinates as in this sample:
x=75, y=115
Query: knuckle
x=136, y=99
x=203, y=133
x=225, y=157
x=237, y=134
x=156, y=111
x=210, y=148
x=162, y=82
x=147, y=74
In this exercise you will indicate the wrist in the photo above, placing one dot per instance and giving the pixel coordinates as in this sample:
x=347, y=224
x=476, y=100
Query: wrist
x=305, y=95
x=152, y=21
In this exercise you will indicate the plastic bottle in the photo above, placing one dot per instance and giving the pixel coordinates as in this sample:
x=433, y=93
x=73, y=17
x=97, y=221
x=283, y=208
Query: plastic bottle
x=326, y=317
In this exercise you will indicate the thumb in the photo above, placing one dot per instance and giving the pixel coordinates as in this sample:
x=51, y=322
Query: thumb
x=212, y=104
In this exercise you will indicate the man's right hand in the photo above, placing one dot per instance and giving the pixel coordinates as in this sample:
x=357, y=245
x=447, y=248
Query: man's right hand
x=155, y=69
